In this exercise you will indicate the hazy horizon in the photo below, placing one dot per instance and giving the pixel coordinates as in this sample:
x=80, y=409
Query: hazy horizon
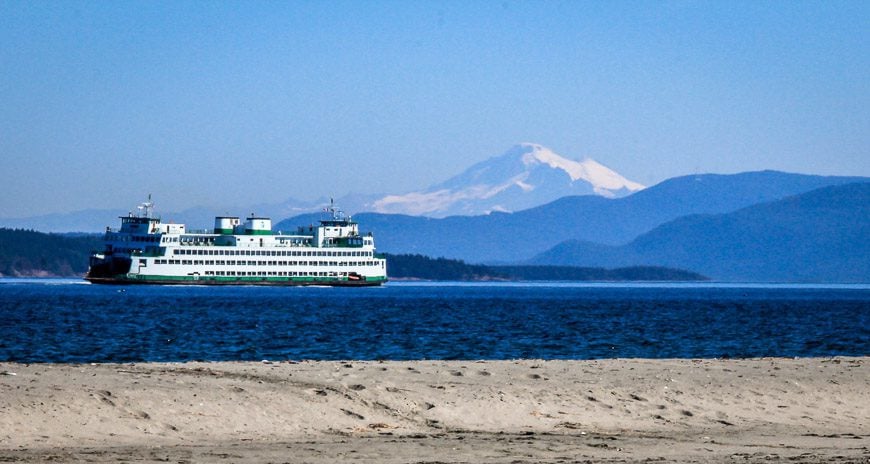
x=224, y=104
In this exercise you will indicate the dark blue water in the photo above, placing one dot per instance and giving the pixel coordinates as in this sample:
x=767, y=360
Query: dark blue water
x=64, y=321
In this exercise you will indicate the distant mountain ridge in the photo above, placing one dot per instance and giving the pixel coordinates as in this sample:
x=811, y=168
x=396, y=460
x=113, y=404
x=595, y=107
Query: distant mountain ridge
x=518, y=237
x=527, y=175
x=818, y=236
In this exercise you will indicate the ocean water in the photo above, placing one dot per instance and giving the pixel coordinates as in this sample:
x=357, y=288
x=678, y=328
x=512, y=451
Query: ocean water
x=55, y=320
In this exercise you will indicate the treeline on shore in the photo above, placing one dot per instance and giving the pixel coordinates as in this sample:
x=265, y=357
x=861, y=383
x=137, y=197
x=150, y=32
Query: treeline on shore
x=28, y=253
x=415, y=266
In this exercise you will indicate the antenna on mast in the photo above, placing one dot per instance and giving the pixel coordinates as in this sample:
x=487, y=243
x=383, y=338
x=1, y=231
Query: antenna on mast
x=147, y=207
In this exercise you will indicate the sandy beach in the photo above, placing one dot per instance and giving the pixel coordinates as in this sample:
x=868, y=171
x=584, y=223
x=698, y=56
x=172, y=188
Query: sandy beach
x=621, y=410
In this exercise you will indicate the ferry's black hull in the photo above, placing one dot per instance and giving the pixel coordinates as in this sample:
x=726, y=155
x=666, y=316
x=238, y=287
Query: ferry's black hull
x=105, y=268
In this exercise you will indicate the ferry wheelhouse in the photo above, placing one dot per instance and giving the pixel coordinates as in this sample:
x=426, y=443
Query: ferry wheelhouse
x=146, y=251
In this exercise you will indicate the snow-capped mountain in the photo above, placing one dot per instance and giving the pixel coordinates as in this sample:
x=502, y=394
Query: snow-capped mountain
x=525, y=176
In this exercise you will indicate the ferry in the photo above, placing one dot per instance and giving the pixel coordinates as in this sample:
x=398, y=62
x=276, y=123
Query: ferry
x=146, y=251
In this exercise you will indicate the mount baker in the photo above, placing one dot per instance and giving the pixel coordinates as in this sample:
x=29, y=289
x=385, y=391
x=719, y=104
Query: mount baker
x=525, y=176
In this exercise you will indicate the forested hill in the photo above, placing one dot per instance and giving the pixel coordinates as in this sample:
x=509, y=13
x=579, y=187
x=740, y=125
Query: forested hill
x=29, y=253
x=423, y=267
x=26, y=253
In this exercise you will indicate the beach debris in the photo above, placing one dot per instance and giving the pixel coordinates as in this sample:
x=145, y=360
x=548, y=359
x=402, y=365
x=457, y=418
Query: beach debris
x=382, y=425
x=7, y=373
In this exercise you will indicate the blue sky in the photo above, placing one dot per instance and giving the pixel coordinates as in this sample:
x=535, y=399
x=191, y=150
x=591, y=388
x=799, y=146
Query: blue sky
x=235, y=103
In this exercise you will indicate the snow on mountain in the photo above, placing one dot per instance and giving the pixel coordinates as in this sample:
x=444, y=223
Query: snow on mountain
x=525, y=176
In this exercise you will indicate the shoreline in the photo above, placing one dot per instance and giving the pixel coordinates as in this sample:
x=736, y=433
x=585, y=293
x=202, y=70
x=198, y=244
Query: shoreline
x=613, y=410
